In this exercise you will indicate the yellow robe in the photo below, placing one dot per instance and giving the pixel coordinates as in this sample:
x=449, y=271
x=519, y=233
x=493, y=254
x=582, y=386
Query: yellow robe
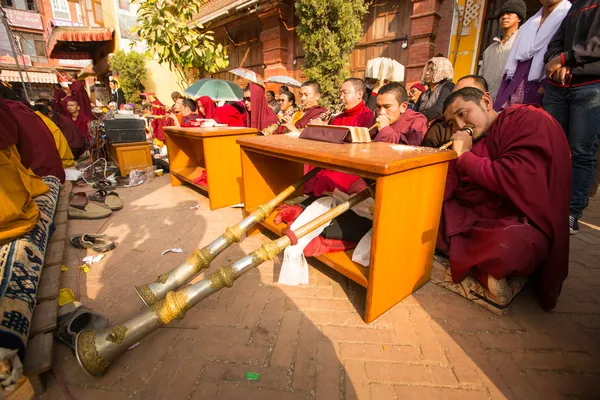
x=18, y=211
x=61, y=142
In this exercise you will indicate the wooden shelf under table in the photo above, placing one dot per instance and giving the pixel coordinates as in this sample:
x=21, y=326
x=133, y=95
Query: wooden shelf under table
x=188, y=174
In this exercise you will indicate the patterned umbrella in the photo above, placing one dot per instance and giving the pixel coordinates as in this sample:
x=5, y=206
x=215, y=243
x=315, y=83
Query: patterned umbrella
x=249, y=75
x=284, y=80
x=216, y=89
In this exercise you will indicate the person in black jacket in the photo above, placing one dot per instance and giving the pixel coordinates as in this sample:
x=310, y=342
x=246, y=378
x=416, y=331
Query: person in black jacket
x=116, y=94
x=572, y=96
x=437, y=75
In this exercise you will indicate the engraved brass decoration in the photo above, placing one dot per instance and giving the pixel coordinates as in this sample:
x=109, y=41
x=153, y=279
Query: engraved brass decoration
x=222, y=277
x=117, y=335
x=172, y=307
x=162, y=278
x=88, y=355
x=200, y=259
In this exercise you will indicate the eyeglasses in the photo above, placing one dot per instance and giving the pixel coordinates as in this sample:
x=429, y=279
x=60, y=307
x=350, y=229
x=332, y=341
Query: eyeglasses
x=346, y=92
x=246, y=98
x=281, y=100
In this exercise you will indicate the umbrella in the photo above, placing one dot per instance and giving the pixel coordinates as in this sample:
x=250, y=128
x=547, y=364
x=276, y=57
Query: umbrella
x=249, y=75
x=284, y=80
x=383, y=68
x=216, y=89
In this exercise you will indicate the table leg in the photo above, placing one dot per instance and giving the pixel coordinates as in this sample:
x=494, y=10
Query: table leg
x=407, y=213
x=224, y=171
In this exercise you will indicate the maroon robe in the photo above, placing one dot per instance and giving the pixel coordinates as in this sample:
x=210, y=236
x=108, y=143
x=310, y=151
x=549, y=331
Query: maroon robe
x=506, y=204
x=310, y=114
x=359, y=115
x=35, y=143
x=158, y=108
x=59, y=106
x=410, y=129
x=81, y=123
x=71, y=133
x=261, y=116
x=187, y=120
x=79, y=93
x=228, y=114
x=327, y=180
x=209, y=107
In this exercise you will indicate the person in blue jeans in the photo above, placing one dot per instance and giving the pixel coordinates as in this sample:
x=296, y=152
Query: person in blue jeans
x=572, y=96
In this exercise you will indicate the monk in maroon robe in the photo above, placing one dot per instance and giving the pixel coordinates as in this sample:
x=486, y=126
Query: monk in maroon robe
x=80, y=120
x=206, y=107
x=59, y=105
x=397, y=123
x=35, y=141
x=188, y=112
x=66, y=126
x=260, y=115
x=506, y=203
x=80, y=94
x=231, y=115
x=310, y=94
x=355, y=113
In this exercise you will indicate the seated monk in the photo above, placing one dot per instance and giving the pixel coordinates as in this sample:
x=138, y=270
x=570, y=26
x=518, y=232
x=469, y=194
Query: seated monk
x=80, y=120
x=188, y=112
x=439, y=132
x=397, y=123
x=35, y=143
x=259, y=114
x=355, y=113
x=65, y=125
x=62, y=145
x=288, y=111
x=506, y=196
x=310, y=94
x=206, y=107
x=230, y=115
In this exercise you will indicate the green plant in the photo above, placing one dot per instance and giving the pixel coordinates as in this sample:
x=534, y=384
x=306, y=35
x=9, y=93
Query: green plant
x=329, y=31
x=174, y=38
x=131, y=70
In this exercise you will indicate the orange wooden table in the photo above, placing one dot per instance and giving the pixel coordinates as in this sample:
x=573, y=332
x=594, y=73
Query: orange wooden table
x=408, y=202
x=193, y=150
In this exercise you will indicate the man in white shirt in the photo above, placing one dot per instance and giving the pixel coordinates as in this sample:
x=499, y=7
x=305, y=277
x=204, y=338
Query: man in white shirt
x=495, y=56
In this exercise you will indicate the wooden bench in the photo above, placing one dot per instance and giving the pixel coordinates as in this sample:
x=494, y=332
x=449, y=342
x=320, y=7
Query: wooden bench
x=408, y=202
x=193, y=150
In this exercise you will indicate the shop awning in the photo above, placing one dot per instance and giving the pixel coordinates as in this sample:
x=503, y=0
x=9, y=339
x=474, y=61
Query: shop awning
x=77, y=43
x=31, y=77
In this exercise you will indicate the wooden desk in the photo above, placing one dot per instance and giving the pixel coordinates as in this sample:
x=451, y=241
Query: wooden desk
x=408, y=202
x=193, y=150
x=132, y=155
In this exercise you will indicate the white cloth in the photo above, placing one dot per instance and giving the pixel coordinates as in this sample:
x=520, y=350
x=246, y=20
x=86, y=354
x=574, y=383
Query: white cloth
x=294, y=269
x=362, y=252
x=532, y=42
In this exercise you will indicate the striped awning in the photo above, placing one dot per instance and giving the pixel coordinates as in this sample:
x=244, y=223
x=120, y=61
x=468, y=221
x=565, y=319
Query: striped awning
x=31, y=77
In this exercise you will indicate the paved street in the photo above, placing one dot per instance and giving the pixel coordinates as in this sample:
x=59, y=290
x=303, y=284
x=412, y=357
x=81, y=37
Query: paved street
x=310, y=342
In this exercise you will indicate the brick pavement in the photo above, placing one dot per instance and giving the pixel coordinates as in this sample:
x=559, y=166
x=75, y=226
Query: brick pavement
x=310, y=342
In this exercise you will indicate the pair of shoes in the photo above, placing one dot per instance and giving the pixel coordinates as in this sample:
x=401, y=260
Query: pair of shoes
x=573, y=225
x=99, y=243
x=109, y=199
x=81, y=208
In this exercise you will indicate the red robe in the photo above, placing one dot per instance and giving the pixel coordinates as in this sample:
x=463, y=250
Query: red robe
x=35, y=141
x=261, y=116
x=187, y=120
x=410, y=129
x=158, y=108
x=59, y=106
x=359, y=115
x=80, y=94
x=81, y=123
x=328, y=180
x=209, y=107
x=228, y=114
x=310, y=114
x=71, y=133
x=506, y=205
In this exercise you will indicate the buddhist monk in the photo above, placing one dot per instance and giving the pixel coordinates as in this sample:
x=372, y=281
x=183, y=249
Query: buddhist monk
x=80, y=120
x=260, y=115
x=61, y=143
x=396, y=122
x=230, y=115
x=206, y=107
x=66, y=126
x=188, y=111
x=439, y=133
x=355, y=113
x=505, y=210
x=310, y=94
x=35, y=143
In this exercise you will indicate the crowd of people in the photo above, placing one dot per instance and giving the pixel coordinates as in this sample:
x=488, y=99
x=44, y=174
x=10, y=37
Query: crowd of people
x=525, y=132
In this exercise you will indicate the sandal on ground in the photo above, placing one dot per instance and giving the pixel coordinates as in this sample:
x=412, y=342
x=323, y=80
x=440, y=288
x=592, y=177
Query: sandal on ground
x=98, y=243
x=74, y=318
x=104, y=184
x=110, y=199
x=78, y=200
x=91, y=211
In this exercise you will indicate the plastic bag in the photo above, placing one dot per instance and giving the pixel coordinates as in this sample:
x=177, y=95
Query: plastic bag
x=294, y=269
x=362, y=252
x=141, y=176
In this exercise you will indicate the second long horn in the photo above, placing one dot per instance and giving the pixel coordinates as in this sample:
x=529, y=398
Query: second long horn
x=201, y=258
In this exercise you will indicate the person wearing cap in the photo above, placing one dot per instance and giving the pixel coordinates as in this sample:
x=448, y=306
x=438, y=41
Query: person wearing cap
x=524, y=78
x=511, y=14
x=414, y=93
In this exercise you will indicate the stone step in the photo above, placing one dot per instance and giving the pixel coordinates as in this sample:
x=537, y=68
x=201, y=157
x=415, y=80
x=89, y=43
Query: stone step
x=44, y=317
x=49, y=283
x=38, y=356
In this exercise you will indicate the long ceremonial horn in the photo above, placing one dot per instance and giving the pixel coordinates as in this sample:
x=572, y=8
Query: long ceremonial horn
x=201, y=258
x=96, y=350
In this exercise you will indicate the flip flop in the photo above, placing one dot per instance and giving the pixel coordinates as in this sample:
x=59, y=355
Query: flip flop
x=111, y=200
x=75, y=240
x=91, y=211
x=104, y=184
x=78, y=200
x=98, y=243
x=74, y=318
